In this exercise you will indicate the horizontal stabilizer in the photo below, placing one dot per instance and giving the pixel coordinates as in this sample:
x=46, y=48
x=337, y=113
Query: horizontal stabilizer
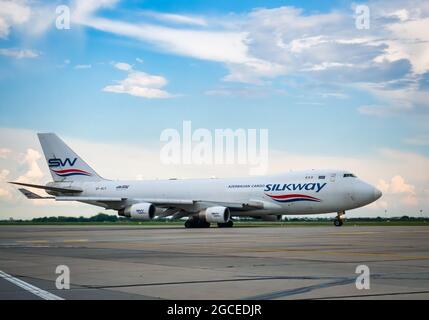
x=32, y=195
x=38, y=186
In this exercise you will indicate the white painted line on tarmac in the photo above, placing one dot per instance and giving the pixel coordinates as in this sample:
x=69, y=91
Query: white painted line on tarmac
x=30, y=288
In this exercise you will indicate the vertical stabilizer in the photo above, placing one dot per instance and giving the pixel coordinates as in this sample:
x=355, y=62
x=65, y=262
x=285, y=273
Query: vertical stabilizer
x=64, y=164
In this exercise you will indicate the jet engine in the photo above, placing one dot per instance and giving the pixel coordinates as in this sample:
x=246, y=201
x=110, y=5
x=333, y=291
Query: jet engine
x=139, y=211
x=216, y=214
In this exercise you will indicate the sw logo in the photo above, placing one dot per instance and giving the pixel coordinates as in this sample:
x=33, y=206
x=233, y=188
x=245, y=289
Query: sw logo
x=55, y=162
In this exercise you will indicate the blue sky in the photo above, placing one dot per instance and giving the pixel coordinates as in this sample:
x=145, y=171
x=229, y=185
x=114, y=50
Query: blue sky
x=303, y=70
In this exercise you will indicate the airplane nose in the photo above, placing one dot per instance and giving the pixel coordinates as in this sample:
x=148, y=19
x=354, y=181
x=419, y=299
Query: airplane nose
x=364, y=193
x=377, y=194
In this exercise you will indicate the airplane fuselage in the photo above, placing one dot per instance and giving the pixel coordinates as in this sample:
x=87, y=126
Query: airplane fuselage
x=304, y=192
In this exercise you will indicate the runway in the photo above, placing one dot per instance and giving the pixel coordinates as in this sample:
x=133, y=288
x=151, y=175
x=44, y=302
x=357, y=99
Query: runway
x=136, y=262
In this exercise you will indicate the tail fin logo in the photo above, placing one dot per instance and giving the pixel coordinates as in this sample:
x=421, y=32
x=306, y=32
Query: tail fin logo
x=71, y=172
x=56, y=162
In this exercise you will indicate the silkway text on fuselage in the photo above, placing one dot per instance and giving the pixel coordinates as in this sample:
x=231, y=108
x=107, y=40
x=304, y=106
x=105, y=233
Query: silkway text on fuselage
x=295, y=186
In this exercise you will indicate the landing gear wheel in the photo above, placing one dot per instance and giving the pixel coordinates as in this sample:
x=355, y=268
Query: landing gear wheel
x=203, y=224
x=196, y=223
x=338, y=222
x=228, y=224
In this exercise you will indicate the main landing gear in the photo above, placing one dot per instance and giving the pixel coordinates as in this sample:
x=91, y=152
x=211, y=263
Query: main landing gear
x=338, y=221
x=195, y=222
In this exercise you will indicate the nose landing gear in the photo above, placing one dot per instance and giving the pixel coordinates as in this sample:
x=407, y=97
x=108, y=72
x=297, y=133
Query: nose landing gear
x=338, y=221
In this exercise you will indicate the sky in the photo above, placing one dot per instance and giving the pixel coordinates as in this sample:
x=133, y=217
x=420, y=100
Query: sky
x=330, y=93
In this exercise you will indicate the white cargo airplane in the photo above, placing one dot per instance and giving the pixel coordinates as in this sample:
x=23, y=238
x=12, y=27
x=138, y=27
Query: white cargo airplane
x=203, y=201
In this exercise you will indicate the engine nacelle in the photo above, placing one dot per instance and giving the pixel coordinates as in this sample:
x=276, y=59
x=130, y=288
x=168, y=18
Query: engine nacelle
x=139, y=211
x=271, y=217
x=216, y=214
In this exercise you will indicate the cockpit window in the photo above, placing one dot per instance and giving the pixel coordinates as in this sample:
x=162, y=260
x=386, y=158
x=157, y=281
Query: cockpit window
x=349, y=175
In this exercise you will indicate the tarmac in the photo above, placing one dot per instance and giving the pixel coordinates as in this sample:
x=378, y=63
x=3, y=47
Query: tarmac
x=161, y=262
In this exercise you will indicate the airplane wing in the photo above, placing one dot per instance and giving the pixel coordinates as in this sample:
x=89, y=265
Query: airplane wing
x=174, y=207
x=180, y=203
x=249, y=205
x=99, y=199
x=38, y=186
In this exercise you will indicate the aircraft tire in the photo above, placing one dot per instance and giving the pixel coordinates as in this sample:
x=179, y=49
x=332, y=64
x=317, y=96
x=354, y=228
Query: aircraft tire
x=188, y=224
x=203, y=224
x=228, y=224
x=338, y=222
x=196, y=223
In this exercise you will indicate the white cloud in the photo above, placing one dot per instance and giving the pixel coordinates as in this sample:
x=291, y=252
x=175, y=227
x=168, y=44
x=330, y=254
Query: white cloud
x=410, y=41
x=5, y=193
x=400, y=190
x=33, y=174
x=4, y=188
x=27, y=17
x=326, y=65
x=123, y=66
x=4, y=152
x=227, y=46
x=139, y=84
x=18, y=53
x=252, y=70
x=3, y=174
x=269, y=43
x=176, y=18
x=401, y=14
x=12, y=13
x=395, y=100
x=396, y=185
